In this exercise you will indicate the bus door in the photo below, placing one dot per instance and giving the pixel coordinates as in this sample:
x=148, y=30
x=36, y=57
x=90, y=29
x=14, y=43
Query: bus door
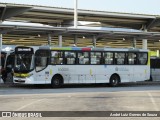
x=41, y=66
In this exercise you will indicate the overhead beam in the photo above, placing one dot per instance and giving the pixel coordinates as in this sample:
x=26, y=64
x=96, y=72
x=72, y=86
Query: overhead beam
x=3, y=31
x=37, y=20
x=9, y=12
x=153, y=23
x=2, y=12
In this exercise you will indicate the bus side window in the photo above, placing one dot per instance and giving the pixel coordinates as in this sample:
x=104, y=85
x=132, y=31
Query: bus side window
x=120, y=58
x=142, y=58
x=108, y=57
x=56, y=57
x=83, y=58
x=95, y=57
x=70, y=57
x=132, y=58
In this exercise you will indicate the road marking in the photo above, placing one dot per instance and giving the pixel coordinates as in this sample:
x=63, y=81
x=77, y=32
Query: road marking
x=29, y=104
x=153, y=102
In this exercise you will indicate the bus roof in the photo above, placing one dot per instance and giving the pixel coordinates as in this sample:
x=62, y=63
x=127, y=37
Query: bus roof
x=92, y=49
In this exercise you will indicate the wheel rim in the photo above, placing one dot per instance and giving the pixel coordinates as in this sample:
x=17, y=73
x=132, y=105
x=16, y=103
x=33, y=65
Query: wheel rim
x=56, y=82
x=114, y=80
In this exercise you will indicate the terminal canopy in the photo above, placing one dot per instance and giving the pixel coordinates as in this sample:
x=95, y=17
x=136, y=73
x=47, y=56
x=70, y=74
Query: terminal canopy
x=119, y=28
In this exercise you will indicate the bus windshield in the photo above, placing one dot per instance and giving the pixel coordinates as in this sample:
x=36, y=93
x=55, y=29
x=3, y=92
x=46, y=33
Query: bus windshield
x=24, y=62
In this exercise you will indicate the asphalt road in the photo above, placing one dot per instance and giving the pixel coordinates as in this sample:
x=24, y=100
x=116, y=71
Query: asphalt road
x=126, y=97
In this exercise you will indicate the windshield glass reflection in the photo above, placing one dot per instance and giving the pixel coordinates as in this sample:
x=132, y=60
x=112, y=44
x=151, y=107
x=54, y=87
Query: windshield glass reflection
x=24, y=63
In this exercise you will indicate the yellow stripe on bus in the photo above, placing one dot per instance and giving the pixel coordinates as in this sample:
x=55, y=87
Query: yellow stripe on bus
x=149, y=55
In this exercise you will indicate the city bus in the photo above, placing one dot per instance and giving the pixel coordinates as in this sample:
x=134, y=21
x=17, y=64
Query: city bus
x=80, y=65
x=155, y=69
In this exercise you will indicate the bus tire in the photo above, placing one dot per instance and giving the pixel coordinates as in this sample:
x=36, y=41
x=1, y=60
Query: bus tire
x=114, y=80
x=57, y=81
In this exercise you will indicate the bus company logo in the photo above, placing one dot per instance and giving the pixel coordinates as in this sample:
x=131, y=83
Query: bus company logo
x=6, y=114
x=63, y=69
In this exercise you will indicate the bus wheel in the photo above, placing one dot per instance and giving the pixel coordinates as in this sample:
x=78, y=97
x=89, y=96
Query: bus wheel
x=56, y=82
x=114, y=80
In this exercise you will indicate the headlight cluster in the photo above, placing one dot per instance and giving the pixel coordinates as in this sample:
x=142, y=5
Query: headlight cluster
x=22, y=75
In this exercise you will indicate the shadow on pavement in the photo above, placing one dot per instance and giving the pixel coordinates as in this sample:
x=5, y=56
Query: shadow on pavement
x=134, y=84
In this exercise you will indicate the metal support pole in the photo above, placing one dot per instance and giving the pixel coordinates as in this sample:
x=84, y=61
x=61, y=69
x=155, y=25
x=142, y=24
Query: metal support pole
x=49, y=39
x=157, y=53
x=60, y=40
x=75, y=40
x=75, y=13
x=94, y=41
x=0, y=57
x=144, y=44
x=144, y=41
x=134, y=43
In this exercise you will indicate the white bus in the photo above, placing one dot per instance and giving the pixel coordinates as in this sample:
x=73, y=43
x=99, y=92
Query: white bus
x=155, y=69
x=75, y=65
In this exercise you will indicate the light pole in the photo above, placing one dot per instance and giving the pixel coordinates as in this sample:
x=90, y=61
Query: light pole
x=75, y=13
x=0, y=57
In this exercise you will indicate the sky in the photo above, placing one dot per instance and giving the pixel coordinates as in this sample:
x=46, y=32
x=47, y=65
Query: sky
x=126, y=6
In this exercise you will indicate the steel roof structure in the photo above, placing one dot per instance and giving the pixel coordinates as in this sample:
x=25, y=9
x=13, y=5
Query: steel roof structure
x=61, y=18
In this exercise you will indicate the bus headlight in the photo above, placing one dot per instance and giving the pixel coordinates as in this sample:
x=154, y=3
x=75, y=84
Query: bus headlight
x=22, y=75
